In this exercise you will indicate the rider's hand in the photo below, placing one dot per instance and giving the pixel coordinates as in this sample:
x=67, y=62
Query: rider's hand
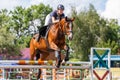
x=58, y=20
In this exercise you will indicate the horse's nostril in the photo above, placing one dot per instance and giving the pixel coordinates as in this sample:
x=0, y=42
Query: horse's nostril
x=69, y=38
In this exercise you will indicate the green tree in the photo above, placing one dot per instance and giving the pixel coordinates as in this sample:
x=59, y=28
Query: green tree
x=6, y=37
x=90, y=30
x=109, y=35
x=40, y=12
x=85, y=35
x=23, y=19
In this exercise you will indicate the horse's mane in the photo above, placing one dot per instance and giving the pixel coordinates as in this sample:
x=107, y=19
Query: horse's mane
x=66, y=19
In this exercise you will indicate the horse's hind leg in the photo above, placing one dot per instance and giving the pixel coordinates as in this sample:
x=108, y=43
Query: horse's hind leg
x=32, y=49
x=38, y=57
x=39, y=74
x=32, y=53
x=37, y=54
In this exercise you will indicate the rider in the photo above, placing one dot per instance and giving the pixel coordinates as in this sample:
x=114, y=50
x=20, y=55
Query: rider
x=53, y=17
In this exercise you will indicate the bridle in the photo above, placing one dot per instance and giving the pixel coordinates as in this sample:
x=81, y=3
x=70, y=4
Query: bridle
x=68, y=22
x=65, y=27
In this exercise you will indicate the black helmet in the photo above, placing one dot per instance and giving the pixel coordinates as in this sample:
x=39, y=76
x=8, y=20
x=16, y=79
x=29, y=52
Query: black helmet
x=60, y=6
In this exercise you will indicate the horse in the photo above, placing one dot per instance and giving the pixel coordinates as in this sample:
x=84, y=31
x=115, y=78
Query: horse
x=54, y=41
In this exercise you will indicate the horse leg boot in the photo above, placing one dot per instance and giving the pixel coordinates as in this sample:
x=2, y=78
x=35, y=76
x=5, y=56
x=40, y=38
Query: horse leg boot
x=67, y=54
x=58, y=61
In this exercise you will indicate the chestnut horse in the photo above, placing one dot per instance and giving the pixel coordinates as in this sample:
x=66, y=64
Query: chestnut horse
x=53, y=41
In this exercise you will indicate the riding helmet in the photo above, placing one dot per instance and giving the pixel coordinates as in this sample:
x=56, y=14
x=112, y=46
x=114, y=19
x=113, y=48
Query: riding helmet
x=60, y=6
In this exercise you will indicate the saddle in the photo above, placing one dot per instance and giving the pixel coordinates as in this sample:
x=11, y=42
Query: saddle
x=42, y=33
x=43, y=30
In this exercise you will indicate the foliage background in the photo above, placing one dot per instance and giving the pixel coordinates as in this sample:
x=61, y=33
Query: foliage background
x=90, y=30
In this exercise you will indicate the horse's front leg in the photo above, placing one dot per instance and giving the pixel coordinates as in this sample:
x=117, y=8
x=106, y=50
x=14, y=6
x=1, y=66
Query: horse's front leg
x=58, y=60
x=54, y=46
x=57, y=53
x=66, y=48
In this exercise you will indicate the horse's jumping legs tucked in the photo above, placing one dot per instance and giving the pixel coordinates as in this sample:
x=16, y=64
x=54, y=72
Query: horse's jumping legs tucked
x=41, y=56
x=58, y=61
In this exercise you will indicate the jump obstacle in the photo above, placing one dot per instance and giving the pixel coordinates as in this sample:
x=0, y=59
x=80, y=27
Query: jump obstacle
x=92, y=65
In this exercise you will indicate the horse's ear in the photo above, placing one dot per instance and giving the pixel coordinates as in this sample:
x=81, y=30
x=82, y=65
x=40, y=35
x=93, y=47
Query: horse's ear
x=66, y=18
x=73, y=19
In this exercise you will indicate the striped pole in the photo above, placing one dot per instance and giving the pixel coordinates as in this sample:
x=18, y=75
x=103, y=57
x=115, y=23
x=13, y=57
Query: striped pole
x=25, y=62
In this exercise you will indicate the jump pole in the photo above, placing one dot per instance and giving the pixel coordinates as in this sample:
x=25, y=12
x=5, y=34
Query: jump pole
x=29, y=62
x=43, y=66
x=25, y=64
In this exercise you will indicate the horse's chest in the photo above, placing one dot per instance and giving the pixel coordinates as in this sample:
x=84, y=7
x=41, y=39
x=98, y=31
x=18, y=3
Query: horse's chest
x=60, y=39
x=60, y=36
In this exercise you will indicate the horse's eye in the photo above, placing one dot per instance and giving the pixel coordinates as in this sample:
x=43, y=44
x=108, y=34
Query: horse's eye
x=67, y=25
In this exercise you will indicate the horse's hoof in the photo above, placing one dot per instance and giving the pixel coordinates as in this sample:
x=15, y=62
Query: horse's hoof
x=66, y=59
x=39, y=79
x=57, y=66
x=63, y=62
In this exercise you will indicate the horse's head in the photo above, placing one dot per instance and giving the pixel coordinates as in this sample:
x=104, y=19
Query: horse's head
x=67, y=24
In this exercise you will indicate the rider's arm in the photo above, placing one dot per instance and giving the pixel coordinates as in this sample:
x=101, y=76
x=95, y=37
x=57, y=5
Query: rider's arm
x=53, y=20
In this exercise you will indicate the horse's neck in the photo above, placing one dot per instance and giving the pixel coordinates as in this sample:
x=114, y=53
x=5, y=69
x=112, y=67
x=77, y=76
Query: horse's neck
x=60, y=25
